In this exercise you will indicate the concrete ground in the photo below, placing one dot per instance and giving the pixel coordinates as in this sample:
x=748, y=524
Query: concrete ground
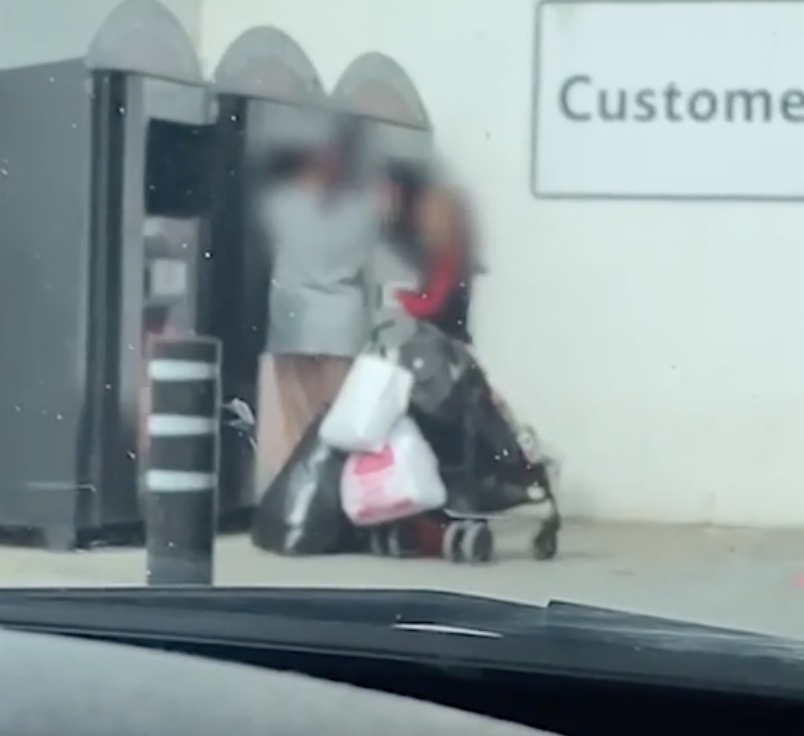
x=747, y=579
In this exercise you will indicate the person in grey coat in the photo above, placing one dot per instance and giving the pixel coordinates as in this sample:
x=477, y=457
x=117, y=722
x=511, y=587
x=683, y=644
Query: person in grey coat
x=323, y=227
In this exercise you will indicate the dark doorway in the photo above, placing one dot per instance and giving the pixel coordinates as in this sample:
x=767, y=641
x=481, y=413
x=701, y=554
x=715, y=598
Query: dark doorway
x=178, y=157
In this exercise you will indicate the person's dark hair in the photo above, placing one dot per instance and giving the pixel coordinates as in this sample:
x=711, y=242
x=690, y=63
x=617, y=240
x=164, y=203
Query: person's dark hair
x=347, y=139
x=409, y=180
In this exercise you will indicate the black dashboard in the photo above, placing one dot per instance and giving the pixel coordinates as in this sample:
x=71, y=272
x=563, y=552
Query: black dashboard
x=296, y=661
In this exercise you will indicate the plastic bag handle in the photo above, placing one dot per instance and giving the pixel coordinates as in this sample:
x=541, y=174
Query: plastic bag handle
x=377, y=330
x=374, y=345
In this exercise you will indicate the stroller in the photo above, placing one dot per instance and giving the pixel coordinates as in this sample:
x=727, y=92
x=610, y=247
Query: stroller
x=487, y=465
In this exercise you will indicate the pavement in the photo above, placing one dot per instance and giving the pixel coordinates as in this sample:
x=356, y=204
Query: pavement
x=738, y=578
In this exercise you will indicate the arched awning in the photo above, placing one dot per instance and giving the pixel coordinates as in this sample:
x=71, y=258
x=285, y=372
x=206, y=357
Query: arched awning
x=144, y=37
x=379, y=90
x=265, y=62
x=287, y=102
x=376, y=86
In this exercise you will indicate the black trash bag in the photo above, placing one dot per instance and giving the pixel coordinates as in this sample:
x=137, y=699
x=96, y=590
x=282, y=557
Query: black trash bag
x=300, y=513
x=499, y=453
x=511, y=478
x=438, y=364
x=469, y=426
x=482, y=463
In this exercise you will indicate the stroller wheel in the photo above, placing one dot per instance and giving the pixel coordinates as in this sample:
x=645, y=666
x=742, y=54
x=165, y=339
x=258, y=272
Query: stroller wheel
x=545, y=543
x=451, y=547
x=477, y=544
x=378, y=542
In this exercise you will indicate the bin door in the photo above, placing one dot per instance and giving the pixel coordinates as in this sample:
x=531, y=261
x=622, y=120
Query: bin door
x=150, y=219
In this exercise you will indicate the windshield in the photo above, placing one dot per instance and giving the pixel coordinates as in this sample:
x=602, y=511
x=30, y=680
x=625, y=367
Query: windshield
x=499, y=299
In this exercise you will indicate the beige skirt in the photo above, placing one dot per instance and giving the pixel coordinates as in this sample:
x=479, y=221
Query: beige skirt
x=294, y=390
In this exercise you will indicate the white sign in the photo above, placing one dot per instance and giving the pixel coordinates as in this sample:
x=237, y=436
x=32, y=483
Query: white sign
x=669, y=99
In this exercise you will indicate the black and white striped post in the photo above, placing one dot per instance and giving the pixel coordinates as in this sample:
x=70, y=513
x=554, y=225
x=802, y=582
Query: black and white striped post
x=182, y=459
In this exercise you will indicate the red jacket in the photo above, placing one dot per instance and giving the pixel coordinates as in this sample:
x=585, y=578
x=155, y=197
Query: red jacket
x=430, y=300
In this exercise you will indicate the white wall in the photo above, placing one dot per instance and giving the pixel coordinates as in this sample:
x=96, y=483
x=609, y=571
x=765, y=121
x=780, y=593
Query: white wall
x=656, y=344
x=39, y=31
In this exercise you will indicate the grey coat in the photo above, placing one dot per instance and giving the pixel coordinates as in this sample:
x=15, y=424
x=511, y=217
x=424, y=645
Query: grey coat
x=319, y=302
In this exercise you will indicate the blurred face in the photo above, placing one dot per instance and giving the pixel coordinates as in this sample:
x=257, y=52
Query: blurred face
x=325, y=164
x=435, y=220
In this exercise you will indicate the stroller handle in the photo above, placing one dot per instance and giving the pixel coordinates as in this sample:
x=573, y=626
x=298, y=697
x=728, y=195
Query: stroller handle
x=378, y=329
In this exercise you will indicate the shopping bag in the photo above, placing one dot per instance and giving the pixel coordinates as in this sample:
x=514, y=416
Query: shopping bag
x=374, y=396
x=438, y=364
x=300, y=513
x=399, y=481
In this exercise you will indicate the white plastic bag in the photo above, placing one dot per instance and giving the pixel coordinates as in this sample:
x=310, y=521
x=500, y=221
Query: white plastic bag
x=399, y=481
x=374, y=396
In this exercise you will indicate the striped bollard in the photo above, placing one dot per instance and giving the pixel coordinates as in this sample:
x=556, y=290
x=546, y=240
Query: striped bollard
x=182, y=458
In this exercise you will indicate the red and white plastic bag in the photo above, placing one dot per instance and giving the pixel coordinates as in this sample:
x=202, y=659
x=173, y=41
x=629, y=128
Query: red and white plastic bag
x=399, y=481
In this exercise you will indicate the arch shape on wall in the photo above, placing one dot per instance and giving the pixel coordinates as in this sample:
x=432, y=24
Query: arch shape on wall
x=143, y=36
x=376, y=86
x=267, y=63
